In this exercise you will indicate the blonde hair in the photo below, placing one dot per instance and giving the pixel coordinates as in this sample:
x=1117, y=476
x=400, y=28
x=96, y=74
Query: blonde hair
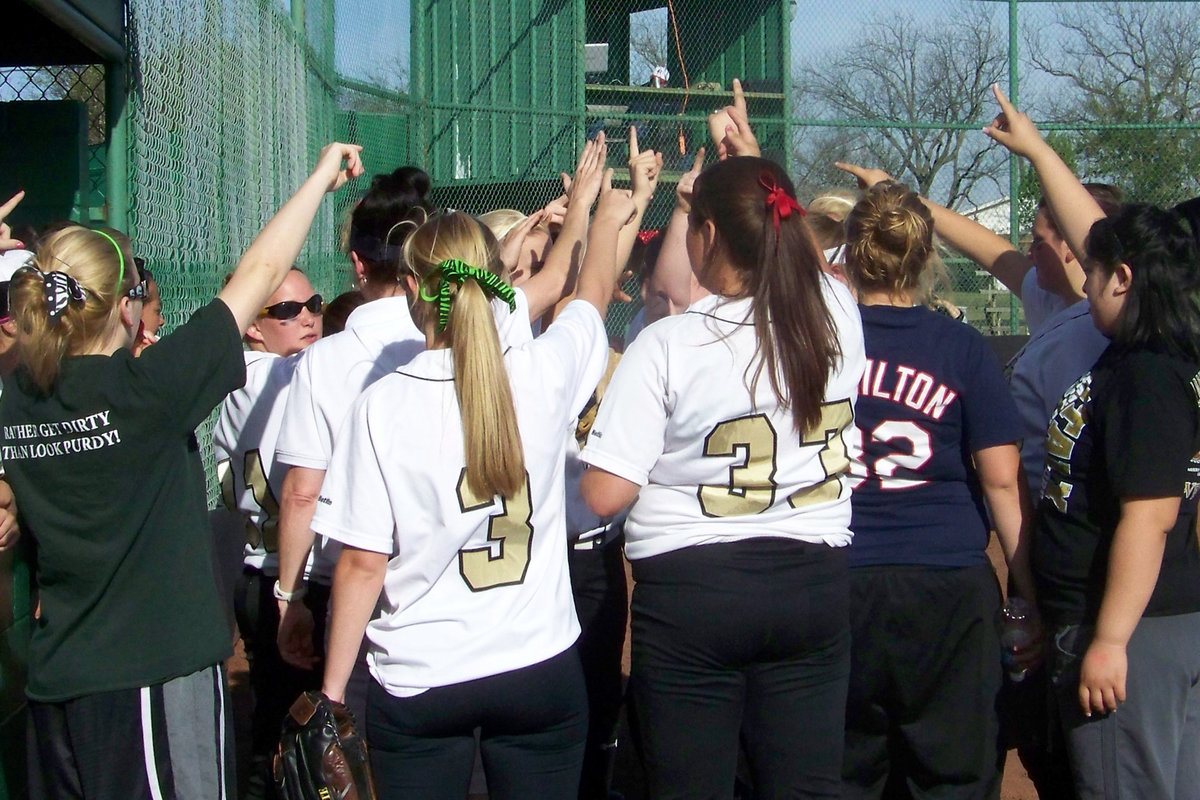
x=889, y=241
x=91, y=259
x=834, y=203
x=491, y=440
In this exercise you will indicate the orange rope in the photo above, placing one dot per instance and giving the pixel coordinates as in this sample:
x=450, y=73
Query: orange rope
x=687, y=86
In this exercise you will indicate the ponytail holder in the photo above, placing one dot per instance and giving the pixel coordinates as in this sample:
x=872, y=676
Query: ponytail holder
x=454, y=271
x=60, y=290
x=779, y=201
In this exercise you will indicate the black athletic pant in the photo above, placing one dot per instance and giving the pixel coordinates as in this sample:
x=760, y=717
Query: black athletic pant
x=601, y=602
x=275, y=683
x=746, y=639
x=532, y=724
x=925, y=678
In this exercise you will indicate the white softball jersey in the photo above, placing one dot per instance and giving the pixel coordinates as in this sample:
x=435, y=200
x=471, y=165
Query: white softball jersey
x=379, y=337
x=714, y=463
x=475, y=586
x=244, y=447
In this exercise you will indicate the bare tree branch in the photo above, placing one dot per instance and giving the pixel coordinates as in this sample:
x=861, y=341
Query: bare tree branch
x=909, y=72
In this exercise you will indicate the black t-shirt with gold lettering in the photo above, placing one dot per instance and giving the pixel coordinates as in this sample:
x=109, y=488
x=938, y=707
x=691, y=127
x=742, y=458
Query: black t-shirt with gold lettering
x=108, y=480
x=1128, y=428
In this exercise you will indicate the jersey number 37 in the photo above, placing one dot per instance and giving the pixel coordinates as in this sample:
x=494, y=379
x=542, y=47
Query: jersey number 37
x=751, y=487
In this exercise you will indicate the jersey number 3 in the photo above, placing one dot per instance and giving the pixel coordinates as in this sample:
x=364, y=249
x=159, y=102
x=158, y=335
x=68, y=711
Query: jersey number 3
x=505, y=559
x=751, y=487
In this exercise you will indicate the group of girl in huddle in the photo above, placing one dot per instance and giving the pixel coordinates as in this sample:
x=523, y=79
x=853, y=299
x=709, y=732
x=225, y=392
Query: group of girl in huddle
x=807, y=475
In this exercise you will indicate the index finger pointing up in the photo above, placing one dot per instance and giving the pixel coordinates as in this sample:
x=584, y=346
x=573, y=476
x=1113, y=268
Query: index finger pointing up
x=8, y=207
x=739, y=98
x=1005, y=105
x=633, y=142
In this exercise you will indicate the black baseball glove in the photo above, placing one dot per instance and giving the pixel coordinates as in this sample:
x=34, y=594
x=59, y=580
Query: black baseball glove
x=321, y=756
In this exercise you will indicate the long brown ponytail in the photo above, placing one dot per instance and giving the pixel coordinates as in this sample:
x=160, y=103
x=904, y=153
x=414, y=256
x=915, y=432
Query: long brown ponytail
x=781, y=272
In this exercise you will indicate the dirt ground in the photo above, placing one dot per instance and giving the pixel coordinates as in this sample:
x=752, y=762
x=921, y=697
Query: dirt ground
x=1016, y=786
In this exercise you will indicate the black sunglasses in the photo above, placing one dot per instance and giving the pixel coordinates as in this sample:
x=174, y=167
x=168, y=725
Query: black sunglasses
x=290, y=309
x=142, y=290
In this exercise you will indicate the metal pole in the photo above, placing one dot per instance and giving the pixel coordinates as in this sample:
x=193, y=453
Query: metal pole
x=1014, y=163
x=116, y=167
x=298, y=16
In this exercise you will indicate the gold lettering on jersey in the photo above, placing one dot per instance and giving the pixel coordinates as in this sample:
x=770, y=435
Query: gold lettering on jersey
x=267, y=533
x=901, y=384
x=1069, y=421
x=834, y=457
x=751, y=487
x=504, y=560
x=1058, y=493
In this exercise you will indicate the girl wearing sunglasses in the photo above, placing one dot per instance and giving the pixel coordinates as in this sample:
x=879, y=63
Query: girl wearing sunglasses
x=244, y=446
x=100, y=449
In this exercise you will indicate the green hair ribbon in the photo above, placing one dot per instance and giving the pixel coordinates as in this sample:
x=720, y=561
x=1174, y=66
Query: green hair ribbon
x=454, y=271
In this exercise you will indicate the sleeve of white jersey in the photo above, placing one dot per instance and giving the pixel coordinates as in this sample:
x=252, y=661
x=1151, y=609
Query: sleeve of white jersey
x=514, y=327
x=573, y=353
x=304, y=437
x=353, y=506
x=629, y=434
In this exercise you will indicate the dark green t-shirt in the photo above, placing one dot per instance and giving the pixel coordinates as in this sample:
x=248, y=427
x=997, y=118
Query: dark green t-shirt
x=107, y=476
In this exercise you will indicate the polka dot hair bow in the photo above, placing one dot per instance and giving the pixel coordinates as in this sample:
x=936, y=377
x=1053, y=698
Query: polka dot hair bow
x=453, y=271
x=60, y=290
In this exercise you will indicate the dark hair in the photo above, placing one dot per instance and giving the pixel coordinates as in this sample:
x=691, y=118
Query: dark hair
x=1110, y=199
x=1190, y=211
x=1161, y=307
x=646, y=250
x=781, y=272
x=377, y=230
x=338, y=310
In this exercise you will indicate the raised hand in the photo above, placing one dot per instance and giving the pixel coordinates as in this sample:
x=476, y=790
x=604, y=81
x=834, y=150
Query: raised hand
x=730, y=128
x=615, y=204
x=1013, y=129
x=6, y=240
x=687, y=183
x=866, y=176
x=514, y=240
x=329, y=163
x=589, y=173
x=644, y=169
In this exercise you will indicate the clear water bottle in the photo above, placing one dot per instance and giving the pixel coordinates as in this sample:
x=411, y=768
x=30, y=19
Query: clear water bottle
x=1016, y=631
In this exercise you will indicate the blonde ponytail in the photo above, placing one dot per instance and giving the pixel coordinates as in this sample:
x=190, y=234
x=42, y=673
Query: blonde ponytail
x=491, y=440
x=492, y=448
x=93, y=261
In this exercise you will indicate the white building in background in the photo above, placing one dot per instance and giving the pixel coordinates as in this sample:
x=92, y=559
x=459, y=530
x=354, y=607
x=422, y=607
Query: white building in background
x=993, y=215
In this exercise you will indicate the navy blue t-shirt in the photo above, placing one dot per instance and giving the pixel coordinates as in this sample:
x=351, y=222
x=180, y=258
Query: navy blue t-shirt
x=932, y=394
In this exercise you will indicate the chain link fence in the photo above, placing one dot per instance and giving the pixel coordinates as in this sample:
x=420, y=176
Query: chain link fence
x=230, y=100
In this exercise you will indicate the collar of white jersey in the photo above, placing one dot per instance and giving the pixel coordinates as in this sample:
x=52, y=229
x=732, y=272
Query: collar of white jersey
x=430, y=365
x=384, y=309
x=732, y=310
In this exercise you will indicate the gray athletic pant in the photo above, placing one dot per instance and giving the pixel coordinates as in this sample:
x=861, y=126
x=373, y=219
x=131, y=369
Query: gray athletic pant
x=1149, y=749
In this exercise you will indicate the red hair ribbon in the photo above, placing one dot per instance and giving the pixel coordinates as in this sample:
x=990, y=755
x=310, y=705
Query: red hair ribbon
x=646, y=237
x=778, y=200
